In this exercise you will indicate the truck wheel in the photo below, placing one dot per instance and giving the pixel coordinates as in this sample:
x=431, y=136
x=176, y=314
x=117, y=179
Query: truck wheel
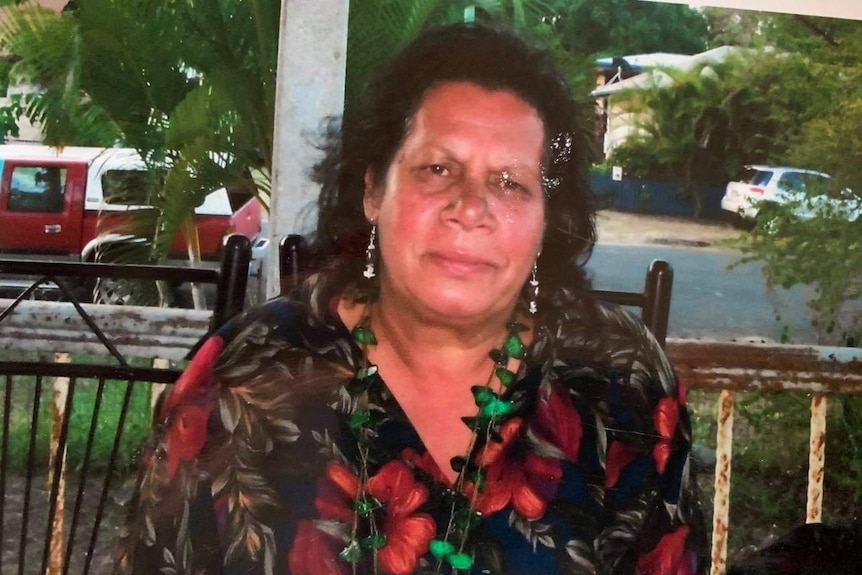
x=82, y=290
x=111, y=291
x=122, y=291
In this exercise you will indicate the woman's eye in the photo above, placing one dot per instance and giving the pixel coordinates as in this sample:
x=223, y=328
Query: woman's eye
x=435, y=176
x=509, y=185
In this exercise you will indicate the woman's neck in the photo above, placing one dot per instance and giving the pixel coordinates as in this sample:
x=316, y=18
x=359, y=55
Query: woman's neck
x=425, y=347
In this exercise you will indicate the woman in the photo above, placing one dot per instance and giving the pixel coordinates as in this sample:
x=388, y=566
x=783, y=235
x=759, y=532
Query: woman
x=441, y=396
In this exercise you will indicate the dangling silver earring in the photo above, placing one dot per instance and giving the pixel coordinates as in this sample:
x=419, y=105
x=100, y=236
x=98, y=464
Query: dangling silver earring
x=534, y=285
x=369, y=254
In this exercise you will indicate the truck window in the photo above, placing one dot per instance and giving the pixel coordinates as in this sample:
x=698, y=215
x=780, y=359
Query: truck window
x=37, y=189
x=130, y=187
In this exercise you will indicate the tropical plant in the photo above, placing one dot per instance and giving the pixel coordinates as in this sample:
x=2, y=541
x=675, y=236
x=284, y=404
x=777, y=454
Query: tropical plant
x=377, y=29
x=817, y=99
x=625, y=27
x=677, y=117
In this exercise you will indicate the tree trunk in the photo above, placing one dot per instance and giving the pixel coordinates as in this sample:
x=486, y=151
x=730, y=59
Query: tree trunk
x=691, y=187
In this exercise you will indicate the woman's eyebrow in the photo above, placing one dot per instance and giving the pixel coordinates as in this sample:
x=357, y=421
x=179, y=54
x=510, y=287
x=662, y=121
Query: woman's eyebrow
x=518, y=169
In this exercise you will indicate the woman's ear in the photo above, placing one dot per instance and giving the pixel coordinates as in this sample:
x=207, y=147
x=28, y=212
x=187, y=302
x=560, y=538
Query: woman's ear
x=371, y=199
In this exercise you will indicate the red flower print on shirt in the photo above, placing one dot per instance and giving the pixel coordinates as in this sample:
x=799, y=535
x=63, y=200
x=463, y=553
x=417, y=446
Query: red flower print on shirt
x=407, y=533
x=558, y=422
x=336, y=492
x=665, y=418
x=188, y=407
x=186, y=434
x=197, y=377
x=529, y=484
x=315, y=552
x=669, y=557
x=619, y=455
x=525, y=480
x=492, y=451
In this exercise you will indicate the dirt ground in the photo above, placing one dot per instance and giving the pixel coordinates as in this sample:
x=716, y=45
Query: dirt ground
x=615, y=227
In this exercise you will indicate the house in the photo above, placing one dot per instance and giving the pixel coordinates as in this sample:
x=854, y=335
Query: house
x=638, y=72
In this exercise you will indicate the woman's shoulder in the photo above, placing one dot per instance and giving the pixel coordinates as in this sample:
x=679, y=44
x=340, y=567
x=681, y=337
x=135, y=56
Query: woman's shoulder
x=302, y=324
x=610, y=341
x=604, y=360
x=285, y=315
x=267, y=342
x=578, y=320
x=276, y=357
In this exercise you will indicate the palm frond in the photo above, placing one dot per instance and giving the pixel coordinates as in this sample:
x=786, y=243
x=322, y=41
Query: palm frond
x=375, y=33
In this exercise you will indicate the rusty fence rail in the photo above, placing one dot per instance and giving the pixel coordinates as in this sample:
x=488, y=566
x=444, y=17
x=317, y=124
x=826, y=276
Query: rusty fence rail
x=135, y=331
x=729, y=367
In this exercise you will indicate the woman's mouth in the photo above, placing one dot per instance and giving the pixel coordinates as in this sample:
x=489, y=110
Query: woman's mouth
x=461, y=264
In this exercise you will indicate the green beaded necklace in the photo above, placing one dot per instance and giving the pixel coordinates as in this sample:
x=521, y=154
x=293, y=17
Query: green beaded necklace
x=452, y=549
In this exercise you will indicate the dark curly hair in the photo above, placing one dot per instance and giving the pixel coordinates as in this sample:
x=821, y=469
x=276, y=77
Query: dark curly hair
x=491, y=58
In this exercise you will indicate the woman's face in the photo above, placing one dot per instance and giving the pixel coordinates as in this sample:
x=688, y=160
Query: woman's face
x=461, y=213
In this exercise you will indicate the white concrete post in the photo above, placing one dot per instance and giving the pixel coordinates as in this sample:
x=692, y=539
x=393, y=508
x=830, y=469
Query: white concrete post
x=309, y=87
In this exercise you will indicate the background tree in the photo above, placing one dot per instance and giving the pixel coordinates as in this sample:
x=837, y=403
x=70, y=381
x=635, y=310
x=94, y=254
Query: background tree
x=817, y=104
x=701, y=125
x=677, y=116
x=624, y=27
x=378, y=29
x=825, y=133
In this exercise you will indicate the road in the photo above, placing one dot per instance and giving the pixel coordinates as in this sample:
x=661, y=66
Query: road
x=708, y=301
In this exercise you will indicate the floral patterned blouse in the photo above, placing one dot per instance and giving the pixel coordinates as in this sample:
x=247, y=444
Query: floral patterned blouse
x=253, y=467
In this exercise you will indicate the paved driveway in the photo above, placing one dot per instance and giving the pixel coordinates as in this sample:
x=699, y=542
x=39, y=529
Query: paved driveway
x=625, y=228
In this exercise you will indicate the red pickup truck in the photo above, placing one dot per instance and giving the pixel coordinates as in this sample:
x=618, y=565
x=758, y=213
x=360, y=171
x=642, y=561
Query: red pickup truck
x=52, y=199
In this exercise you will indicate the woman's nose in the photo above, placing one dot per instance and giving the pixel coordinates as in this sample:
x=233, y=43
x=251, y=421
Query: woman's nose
x=470, y=206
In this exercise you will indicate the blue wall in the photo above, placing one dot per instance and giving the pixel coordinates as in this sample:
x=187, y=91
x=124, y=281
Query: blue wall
x=652, y=196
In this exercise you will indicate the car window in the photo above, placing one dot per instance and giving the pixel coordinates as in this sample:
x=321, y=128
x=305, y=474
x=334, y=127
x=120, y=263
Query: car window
x=37, y=189
x=129, y=187
x=756, y=177
x=792, y=182
x=821, y=185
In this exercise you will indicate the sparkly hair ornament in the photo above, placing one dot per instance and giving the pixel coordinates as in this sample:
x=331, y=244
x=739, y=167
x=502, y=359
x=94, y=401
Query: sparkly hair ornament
x=560, y=152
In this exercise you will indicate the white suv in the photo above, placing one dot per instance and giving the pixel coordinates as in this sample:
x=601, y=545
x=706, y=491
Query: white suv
x=811, y=193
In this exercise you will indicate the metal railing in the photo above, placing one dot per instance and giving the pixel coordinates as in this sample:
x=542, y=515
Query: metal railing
x=53, y=500
x=730, y=367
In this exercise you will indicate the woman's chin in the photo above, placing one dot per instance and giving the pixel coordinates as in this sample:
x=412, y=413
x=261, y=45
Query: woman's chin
x=439, y=300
